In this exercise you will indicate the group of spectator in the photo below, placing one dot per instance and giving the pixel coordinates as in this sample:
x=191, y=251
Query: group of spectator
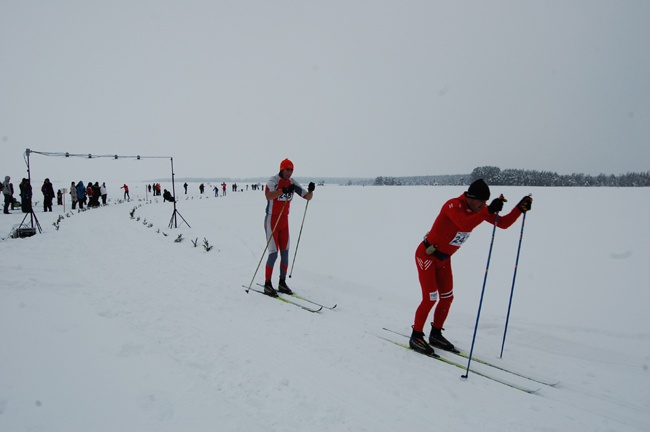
x=80, y=194
x=25, y=194
x=155, y=189
x=90, y=195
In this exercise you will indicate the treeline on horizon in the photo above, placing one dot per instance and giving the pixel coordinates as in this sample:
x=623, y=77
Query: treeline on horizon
x=516, y=177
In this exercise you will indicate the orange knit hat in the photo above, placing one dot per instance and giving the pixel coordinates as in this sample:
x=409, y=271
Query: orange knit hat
x=286, y=164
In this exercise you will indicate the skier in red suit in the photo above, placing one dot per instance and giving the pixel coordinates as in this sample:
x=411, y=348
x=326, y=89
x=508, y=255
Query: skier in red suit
x=279, y=193
x=457, y=218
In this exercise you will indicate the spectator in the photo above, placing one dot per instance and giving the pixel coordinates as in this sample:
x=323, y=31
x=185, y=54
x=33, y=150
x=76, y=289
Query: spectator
x=103, y=192
x=48, y=195
x=81, y=194
x=25, y=195
x=91, y=195
x=167, y=196
x=7, y=192
x=73, y=195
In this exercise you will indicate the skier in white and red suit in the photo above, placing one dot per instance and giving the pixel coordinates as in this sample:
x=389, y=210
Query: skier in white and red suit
x=457, y=218
x=279, y=193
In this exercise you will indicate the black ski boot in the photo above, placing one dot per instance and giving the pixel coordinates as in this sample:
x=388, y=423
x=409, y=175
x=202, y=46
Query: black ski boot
x=269, y=290
x=417, y=343
x=438, y=340
x=283, y=288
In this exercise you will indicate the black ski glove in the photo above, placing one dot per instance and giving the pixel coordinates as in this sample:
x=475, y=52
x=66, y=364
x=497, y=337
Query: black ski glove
x=289, y=189
x=497, y=204
x=525, y=204
x=311, y=187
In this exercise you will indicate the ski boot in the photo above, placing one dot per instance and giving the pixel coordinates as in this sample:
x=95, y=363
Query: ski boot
x=269, y=290
x=438, y=340
x=417, y=343
x=283, y=288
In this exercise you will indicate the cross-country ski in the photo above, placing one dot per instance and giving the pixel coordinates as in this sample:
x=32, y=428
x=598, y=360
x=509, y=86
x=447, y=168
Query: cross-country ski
x=448, y=358
x=300, y=297
x=463, y=354
x=284, y=299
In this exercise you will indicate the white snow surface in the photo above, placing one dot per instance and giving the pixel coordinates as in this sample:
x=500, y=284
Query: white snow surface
x=109, y=324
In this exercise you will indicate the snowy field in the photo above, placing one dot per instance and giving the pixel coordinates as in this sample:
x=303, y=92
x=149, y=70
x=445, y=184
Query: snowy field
x=109, y=324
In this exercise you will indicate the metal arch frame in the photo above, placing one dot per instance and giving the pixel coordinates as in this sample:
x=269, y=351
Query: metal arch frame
x=173, y=223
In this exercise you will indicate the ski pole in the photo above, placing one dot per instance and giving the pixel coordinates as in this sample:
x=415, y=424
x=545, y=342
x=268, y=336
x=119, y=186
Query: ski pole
x=478, y=314
x=267, y=246
x=298, y=242
x=512, y=289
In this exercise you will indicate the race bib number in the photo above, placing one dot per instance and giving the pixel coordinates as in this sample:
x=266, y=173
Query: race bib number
x=433, y=296
x=459, y=239
x=285, y=197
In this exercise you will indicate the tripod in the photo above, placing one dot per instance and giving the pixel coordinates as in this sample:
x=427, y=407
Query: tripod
x=28, y=232
x=173, y=222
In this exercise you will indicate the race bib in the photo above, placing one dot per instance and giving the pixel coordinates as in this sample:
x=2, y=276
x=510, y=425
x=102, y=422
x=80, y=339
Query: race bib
x=285, y=197
x=433, y=296
x=460, y=238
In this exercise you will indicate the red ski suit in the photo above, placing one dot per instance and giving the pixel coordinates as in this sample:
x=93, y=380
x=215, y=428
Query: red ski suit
x=450, y=230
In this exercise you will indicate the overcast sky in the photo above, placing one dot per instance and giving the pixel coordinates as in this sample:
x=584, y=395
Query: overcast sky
x=343, y=88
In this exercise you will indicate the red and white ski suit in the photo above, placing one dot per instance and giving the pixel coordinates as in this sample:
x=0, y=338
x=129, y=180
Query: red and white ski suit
x=276, y=222
x=450, y=230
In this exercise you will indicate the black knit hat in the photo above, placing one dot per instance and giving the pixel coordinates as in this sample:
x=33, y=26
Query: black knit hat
x=478, y=190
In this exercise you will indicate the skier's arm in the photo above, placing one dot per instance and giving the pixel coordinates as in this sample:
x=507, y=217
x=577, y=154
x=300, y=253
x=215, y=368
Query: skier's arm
x=271, y=195
x=463, y=220
x=505, y=221
x=310, y=191
x=305, y=193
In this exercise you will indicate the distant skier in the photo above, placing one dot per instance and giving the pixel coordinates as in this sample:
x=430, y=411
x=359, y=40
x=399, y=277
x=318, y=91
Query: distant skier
x=279, y=192
x=126, y=192
x=458, y=217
